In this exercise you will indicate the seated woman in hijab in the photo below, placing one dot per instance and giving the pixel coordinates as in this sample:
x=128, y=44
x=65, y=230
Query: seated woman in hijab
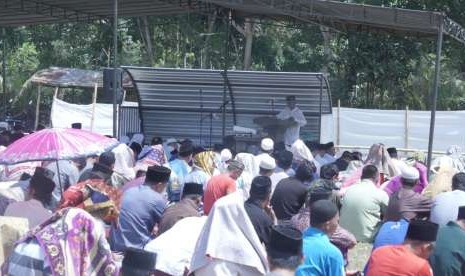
x=245, y=180
x=441, y=182
x=379, y=157
x=227, y=232
x=301, y=154
x=202, y=169
x=123, y=170
x=155, y=155
x=92, y=194
x=71, y=242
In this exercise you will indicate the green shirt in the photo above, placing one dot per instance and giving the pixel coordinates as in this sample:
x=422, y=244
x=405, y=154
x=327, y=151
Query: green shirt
x=362, y=206
x=448, y=257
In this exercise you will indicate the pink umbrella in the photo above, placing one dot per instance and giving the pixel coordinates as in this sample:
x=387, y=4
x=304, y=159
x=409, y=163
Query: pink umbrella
x=56, y=144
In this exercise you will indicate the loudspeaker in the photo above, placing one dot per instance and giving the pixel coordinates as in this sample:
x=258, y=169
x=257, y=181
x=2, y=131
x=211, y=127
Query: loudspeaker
x=108, y=79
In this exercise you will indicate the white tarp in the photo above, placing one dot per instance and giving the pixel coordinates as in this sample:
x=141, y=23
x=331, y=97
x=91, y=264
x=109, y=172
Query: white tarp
x=363, y=127
x=357, y=127
x=64, y=114
x=327, y=128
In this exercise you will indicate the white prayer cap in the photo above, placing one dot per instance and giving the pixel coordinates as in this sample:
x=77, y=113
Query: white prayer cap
x=408, y=172
x=267, y=163
x=171, y=141
x=226, y=155
x=267, y=144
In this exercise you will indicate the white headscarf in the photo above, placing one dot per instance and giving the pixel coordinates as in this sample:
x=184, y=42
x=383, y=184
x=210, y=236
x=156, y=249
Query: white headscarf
x=228, y=239
x=247, y=175
x=174, y=260
x=225, y=156
x=124, y=161
x=248, y=160
x=301, y=152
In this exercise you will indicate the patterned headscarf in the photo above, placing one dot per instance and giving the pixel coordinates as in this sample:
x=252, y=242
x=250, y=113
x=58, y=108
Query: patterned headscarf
x=94, y=196
x=156, y=156
x=74, y=244
x=205, y=161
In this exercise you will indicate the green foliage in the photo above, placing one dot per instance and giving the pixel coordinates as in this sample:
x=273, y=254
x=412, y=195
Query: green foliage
x=22, y=63
x=373, y=70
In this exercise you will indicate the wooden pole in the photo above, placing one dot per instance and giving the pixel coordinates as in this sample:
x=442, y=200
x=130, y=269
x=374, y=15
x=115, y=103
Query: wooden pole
x=338, y=123
x=55, y=95
x=407, y=125
x=36, y=123
x=94, y=102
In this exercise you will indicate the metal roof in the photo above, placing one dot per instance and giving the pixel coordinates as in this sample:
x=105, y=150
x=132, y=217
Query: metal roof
x=182, y=103
x=334, y=14
x=72, y=77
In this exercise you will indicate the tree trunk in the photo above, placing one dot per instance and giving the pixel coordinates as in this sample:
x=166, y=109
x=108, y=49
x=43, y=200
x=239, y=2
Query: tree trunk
x=148, y=40
x=327, y=47
x=352, y=71
x=249, y=30
x=205, y=49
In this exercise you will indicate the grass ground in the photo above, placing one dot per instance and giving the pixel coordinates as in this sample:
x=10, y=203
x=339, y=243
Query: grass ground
x=358, y=256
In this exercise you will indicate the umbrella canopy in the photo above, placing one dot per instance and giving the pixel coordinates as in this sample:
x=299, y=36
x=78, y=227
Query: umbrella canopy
x=56, y=144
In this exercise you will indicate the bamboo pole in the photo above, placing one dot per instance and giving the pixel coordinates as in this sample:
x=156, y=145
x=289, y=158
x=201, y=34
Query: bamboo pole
x=36, y=123
x=55, y=95
x=94, y=102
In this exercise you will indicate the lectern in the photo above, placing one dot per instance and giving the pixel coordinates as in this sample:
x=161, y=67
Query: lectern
x=273, y=126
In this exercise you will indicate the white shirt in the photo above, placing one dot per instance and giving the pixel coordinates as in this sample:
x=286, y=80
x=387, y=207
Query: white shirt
x=276, y=177
x=293, y=132
x=197, y=176
x=446, y=206
x=32, y=210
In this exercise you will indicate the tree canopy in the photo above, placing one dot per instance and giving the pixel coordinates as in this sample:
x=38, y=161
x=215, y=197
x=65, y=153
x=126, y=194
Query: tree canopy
x=368, y=70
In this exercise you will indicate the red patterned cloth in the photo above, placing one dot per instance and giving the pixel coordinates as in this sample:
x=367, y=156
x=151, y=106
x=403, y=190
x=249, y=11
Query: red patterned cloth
x=93, y=195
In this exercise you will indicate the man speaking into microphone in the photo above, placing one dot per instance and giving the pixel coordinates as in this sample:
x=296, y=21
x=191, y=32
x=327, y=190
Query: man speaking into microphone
x=293, y=118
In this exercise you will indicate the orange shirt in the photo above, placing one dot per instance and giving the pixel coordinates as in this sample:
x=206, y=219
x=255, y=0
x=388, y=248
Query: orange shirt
x=397, y=260
x=217, y=187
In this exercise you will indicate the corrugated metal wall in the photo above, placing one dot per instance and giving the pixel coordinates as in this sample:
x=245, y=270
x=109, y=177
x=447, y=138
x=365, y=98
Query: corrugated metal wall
x=129, y=121
x=183, y=103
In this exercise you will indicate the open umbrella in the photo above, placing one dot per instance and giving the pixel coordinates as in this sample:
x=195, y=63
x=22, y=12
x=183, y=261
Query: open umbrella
x=56, y=144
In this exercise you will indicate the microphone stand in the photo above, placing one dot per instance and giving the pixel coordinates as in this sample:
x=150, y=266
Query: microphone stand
x=210, y=115
x=201, y=116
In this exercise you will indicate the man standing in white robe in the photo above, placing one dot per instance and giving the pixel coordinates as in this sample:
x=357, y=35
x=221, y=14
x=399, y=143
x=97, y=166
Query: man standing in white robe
x=295, y=118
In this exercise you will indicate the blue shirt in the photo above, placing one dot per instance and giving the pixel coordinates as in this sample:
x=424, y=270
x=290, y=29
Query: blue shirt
x=141, y=209
x=391, y=233
x=179, y=170
x=321, y=257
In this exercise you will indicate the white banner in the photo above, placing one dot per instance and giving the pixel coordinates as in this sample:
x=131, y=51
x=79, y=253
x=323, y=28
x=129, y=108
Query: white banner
x=398, y=128
x=64, y=114
x=357, y=127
